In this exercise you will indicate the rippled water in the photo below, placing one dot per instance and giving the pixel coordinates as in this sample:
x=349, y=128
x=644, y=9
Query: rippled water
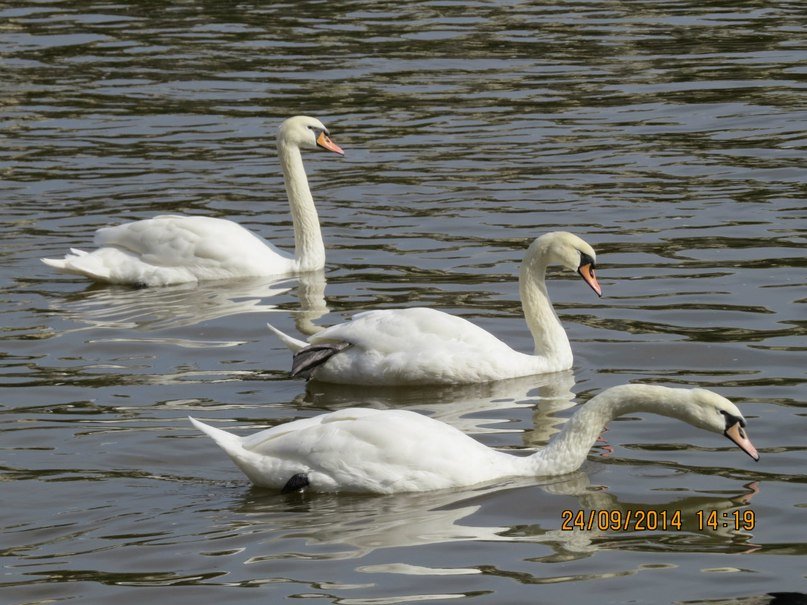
x=669, y=135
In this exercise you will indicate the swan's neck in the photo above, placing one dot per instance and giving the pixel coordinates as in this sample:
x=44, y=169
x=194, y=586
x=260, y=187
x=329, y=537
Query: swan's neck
x=568, y=449
x=551, y=342
x=309, y=250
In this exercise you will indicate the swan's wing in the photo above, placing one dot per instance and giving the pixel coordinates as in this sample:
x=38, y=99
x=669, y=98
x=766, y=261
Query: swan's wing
x=297, y=441
x=291, y=435
x=379, y=450
x=171, y=241
x=397, y=330
x=417, y=346
x=266, y=442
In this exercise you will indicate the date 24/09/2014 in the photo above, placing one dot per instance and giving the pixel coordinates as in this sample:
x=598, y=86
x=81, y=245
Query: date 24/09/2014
x=655, y=520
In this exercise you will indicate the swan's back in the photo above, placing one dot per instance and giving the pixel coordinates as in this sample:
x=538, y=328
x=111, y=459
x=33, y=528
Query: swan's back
x=175, y=249
x=166, y=236
x=367, y=450
x=392, y=330
x=200, y=243
x=416, y=345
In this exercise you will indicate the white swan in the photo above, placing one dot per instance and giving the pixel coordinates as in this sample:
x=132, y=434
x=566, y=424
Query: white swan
x=426, y=346
x=388, y=451
x=173, y=249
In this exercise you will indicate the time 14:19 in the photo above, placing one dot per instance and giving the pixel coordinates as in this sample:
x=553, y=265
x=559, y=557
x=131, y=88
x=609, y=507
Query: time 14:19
x=736, y=519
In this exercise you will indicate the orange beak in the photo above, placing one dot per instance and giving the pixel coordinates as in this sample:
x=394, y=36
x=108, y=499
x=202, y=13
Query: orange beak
x=587, y=273
x=738, y=435
x=324, y=141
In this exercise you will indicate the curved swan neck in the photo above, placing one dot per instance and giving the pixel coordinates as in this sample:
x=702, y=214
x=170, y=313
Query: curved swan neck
x=548, y=334
x=567, y=450
x=309, y=249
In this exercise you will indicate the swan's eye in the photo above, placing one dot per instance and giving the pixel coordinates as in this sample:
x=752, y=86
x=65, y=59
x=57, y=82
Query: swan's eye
x=585, y=259
x=732, y=420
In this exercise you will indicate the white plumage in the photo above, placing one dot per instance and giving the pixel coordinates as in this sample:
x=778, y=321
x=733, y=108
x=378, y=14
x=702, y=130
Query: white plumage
x=388, y=451
x=172, y=249
x=358, y=450
x=427, y=346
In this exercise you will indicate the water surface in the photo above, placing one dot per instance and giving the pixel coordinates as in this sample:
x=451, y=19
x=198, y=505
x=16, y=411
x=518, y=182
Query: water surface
x=670, y=136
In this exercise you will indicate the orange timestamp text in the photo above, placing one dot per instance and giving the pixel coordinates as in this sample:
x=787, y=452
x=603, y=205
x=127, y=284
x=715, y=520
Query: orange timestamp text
x=656, y=520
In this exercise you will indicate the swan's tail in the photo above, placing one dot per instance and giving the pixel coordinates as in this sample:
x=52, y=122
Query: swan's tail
x=79, y=262
x=292, y=343
x=227, y=441
x=233, y=446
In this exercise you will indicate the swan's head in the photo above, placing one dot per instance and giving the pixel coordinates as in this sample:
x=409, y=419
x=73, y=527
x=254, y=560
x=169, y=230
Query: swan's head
x=699, y=407
x=570, y=252
x=306, y=133
x=715, y=413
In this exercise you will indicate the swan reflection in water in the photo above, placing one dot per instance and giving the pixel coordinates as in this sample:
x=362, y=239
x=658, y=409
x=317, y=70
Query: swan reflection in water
x=184, y=305
x=364, y=524
x=472, y=408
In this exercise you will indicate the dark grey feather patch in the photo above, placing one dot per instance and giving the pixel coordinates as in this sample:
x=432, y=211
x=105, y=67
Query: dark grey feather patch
x=308, y=359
